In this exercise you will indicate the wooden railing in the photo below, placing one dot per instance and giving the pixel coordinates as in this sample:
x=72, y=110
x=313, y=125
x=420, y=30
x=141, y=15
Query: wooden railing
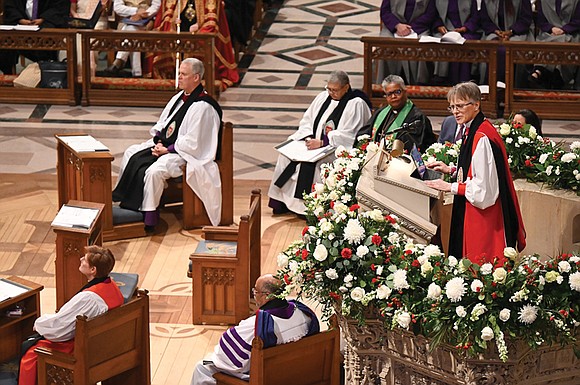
x=45, y=40
x=142, y=92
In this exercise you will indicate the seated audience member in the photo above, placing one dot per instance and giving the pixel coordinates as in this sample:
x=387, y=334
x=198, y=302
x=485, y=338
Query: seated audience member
x=528, y=117
x=278, y=321
x=43, y=13
x=506, y=20
x=197, y=16
x=558, y=21
x=186, y=132
x=402, y=18
x=450, y=131
x=139, y=13
x=399, y=110
x=57, y=331
x=333, y=119
x=461, y=17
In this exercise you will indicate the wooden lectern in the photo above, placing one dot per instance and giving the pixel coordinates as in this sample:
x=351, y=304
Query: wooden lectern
x=86, y=176
x=70, y=247
x=13, y=330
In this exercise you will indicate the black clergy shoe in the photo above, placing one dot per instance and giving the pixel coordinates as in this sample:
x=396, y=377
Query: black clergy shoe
x=112, y=71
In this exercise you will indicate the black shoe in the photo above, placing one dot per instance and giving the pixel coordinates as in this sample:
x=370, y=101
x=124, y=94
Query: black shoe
x=149, y=229
x=112, y=71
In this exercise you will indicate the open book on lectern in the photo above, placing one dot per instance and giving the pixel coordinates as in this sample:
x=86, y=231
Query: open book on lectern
x=74, y=216
x=297, y=151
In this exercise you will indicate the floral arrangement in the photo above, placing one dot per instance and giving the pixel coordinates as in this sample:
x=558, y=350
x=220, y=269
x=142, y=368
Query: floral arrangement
x=447, y=153
x=360, y=264
x=539, y=159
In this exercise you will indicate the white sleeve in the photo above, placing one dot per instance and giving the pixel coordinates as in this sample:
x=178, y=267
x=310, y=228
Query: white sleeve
x=153, y=8
x=306, y=128
x=232, y=353
x=60, y=327
x=198, y=132
x=160, y=125
x=355, y=115
x=482, y=190
x=122, y=10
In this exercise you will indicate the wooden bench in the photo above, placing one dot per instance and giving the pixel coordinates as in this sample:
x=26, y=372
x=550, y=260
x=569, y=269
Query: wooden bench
x=225, y=266
x=432, y=100
x=48, y=39
x=112, y=347
x=548, y=104
x=194, y=213
x=104, y=91
x=313, y=360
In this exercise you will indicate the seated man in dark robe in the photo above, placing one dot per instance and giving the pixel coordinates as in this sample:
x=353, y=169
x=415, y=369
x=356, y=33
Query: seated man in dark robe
x=187, y=132
x=400, y=110
x=43, y=13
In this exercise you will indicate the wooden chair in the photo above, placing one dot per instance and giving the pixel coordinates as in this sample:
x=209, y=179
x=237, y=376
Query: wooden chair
x=313, y=360
x=112, y=348
x=194, y=214
x=224, y=267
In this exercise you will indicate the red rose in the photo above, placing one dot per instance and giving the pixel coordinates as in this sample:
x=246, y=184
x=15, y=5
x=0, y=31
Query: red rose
x=346, y=253
x=304, y=254
x=354, y=207
x=376, y=239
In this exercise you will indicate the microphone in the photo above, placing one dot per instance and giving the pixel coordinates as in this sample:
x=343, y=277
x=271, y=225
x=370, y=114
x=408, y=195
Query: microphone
x=410, y=128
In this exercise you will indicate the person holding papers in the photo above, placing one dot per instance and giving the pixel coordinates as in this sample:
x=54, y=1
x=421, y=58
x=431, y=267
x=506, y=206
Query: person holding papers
x=136, y=14
x=407, y=19
x=400, y=110
x=57, y=331
x=333, y=119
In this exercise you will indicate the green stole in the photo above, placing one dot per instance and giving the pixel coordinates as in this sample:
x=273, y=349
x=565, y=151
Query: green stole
x=398, y=122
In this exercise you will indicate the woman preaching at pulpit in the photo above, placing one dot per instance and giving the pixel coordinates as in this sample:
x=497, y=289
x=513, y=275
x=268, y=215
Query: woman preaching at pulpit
x=486, y=215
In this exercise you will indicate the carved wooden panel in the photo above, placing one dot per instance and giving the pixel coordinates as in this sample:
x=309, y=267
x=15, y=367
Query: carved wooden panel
x=58, y=375
x=218, y=276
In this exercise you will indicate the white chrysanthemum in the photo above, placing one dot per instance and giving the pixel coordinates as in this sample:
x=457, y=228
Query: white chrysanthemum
x=528, y=314
x=331, y=274
x=362, y=250
x=487, y=333
x=434, y=291
x=282, y=260
x=460, y=311
x=575, y=281
x=568, y=157
x=455, y=289
x=357, y=294
x=403, y=319
x=505, y=314
x=432, y=251
x=476, y=286
x=400, y=280
x=564, y=266
x=383, y=292
x=354, y=232
x=320, y=253
x=486, y=269
x=543, y=158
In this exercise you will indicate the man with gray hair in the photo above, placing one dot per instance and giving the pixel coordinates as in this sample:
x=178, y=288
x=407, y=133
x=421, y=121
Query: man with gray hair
x=399, y=110
x=187, y=132
x=333, y=119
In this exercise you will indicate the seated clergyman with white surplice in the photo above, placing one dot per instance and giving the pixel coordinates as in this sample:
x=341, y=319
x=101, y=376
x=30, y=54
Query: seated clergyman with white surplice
x=187, y=132
x=333, y=119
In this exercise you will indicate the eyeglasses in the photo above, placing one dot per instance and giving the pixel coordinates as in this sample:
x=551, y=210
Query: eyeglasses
x=254, y=292
x=458, y=107
x=393, y=93
x=333, y=90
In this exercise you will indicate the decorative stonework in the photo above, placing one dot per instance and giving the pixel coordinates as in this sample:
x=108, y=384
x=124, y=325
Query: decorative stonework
x=218, y=277
x=375, y=355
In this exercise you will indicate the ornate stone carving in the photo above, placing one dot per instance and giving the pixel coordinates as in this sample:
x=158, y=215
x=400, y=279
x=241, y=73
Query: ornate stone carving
x=218, y=277
x=375, y=355
x=58, y=375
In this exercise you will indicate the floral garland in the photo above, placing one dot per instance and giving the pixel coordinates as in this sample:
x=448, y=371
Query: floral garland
x=360, y=264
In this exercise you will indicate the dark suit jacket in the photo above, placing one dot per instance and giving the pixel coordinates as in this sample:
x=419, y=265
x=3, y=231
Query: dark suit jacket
x=448, y=128
x=54, y=12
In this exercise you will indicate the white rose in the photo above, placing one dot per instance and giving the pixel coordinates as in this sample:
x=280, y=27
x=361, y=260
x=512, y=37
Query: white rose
x=331, y=274
x=487, y=333
x=499, y=275
x=564, y=266
x=357, y=294
x=319, y=188
x=320, y=253
x=340, y=208
x=383, y=292
x=452, y=261
x=434, y=291
x=362, y=250
x=282, y=260
x=511, y=253
x=376, y=215
x=532, y=132
x=426, y=268
x=325, y=226
x=486, y=268
x=504, y=129
x=505, y=314
x=404, y=319
x=393, y=238
x=460, y=311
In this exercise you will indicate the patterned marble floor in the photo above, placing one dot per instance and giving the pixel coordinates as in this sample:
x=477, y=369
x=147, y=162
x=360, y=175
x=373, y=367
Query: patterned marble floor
x=297, y=47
